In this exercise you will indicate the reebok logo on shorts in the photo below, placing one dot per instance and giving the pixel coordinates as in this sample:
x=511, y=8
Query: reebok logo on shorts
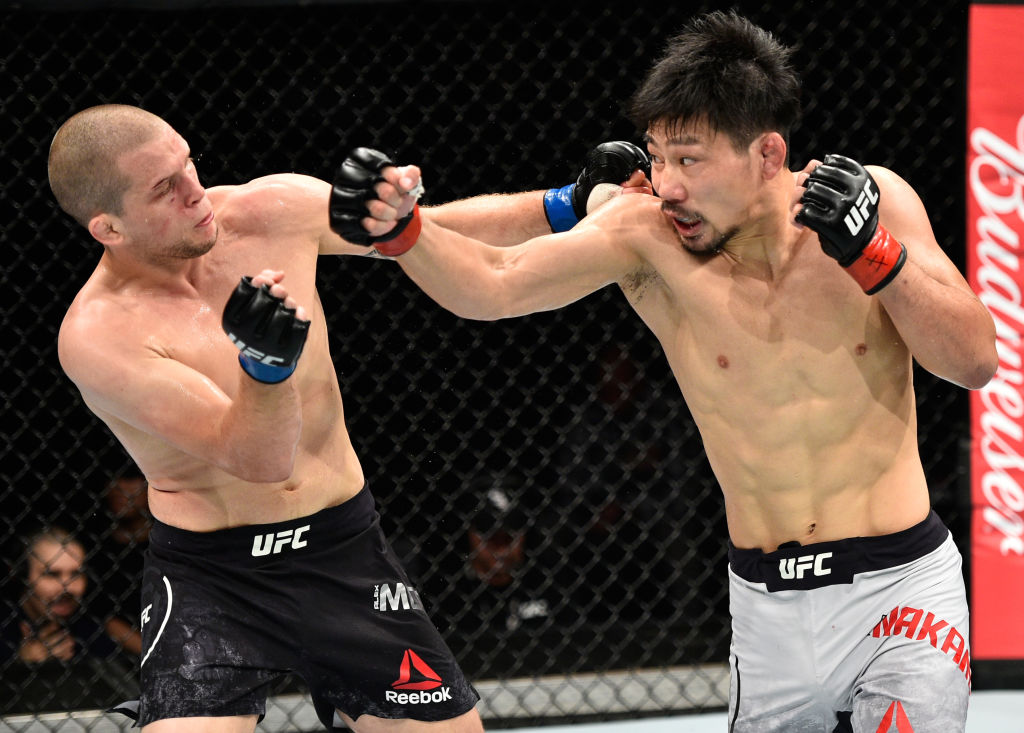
x=895, y=720
x=415, y=674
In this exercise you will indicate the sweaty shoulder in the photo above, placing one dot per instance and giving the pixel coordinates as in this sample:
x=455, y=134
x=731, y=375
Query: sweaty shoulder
x=286, y=201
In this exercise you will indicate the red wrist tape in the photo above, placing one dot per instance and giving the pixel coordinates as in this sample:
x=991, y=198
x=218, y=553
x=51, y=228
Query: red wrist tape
x=404, y=241
x=879, y=262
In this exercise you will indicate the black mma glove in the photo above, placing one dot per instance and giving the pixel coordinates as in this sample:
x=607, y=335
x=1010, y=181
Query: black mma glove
x=841, y=205
x=268, y=335
x=611, y=162
x=353, y=187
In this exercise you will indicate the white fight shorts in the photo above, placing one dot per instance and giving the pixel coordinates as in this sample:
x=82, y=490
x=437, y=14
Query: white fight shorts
x=868, y=634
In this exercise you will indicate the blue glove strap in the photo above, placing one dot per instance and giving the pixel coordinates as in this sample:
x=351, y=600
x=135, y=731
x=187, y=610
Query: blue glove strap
x=265, y=372
x=558, y=208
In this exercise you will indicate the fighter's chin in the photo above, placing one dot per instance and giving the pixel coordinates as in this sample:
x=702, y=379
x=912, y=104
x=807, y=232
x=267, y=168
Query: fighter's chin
x=188, y=250
x=691, y=229
x=699, y=240
x=699, y=246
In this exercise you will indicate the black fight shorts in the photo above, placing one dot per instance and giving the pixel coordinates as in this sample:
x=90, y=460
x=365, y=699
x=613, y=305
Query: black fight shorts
x=227, y=613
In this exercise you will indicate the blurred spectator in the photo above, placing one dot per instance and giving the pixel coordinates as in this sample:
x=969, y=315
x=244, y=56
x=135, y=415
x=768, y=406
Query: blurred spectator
x=623, y=493
x=497, y=540
x=127, y=499
x=501, y=583
x=57, y=656
x=122, y=531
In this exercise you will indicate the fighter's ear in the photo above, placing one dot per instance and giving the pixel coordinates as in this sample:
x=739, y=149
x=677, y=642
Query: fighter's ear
x=106, y=229
x=771, y=147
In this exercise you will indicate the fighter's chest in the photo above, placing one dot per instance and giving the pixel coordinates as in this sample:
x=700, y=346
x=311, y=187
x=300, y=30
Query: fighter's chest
x=806, y=336
x=797, y=309
x=190, y=330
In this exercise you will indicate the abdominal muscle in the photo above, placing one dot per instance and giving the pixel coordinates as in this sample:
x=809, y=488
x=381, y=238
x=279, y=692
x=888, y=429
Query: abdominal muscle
x=816, y=475
x=223, y=501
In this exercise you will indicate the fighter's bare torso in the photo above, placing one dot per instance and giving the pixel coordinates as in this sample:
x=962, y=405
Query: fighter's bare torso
x=139, y=321
x=801, y=386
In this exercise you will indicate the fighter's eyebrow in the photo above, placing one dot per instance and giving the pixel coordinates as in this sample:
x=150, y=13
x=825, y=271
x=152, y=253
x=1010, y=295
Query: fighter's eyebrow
x=165, y=179
x=678, y=140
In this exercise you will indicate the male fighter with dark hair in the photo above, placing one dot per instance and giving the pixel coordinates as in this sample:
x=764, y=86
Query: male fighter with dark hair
x=790, y=307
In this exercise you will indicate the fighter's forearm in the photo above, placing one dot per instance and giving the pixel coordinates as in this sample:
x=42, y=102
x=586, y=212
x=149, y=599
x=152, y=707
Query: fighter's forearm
x=457, y=272
x=501, y=220
x=261, y=431
x=263, y=424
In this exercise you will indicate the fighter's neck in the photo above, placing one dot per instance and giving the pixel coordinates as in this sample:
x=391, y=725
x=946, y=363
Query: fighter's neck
x=769, y=238
x=120, y=271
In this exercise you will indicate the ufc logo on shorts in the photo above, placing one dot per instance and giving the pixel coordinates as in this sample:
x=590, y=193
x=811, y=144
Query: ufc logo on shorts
x=271, y=543
x=859, y=213
x=796, y=567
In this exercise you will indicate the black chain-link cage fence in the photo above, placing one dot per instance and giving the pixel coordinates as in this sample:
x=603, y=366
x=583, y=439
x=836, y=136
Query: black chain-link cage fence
x=572, y=417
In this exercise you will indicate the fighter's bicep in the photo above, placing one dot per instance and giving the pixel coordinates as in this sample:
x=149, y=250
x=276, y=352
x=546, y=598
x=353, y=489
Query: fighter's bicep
x=156, y=395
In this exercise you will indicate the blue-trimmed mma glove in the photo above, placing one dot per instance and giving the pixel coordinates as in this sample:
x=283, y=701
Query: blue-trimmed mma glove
x=353, y=187
x=841, y=205
x=268, y=336
x=611, y=162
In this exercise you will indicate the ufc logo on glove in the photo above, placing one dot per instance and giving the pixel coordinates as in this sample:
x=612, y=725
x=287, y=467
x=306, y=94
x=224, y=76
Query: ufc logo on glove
x=860, y=213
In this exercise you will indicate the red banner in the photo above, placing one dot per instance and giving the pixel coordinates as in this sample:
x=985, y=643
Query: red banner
x=995, y=268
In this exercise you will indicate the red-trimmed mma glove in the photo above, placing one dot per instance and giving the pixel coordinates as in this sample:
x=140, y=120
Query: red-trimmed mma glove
x=268, y=336
x=353, y=187
x=841, y=205
x=611, y=162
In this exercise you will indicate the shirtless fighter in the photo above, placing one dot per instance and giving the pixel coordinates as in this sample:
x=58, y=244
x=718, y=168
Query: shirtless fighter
x=790, y=307
x=266, y=549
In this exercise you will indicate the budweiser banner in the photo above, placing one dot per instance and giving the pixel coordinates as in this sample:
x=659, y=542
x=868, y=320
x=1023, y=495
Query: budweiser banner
x=995, y=264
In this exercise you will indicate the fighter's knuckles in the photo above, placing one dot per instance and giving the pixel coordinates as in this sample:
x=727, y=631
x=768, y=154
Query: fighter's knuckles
x=267, y=277
x=638, y=184
x=810, y=168
x=381, y=211
x=636, y=178
x=279, y=292
x=410, y=178
x=376, y=227
x=388, y=193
